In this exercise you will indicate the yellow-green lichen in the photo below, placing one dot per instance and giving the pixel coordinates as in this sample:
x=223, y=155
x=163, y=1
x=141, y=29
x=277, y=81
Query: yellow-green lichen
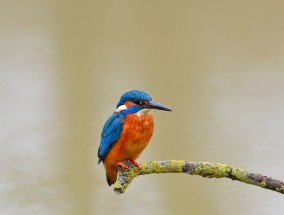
x=179, y=164
x=263, y=184
x=209, y=170
x=239, y=174
x=279, y=189
x=169, y=166
x=243, y=176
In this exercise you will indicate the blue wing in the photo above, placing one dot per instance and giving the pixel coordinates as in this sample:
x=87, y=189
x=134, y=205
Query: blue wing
x=110, y=134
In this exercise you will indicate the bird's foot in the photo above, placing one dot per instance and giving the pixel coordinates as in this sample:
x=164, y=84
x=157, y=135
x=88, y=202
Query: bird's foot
x=122, y=165
x=135, y=163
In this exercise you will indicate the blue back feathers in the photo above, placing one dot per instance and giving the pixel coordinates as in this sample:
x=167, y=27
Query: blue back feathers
x=110, y=134
x=114, y=125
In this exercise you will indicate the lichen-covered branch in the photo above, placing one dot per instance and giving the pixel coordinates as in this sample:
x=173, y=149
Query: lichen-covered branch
x=204, y=169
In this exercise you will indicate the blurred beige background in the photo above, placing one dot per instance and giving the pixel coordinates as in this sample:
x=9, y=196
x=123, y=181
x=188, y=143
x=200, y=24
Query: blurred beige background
x=64, y=64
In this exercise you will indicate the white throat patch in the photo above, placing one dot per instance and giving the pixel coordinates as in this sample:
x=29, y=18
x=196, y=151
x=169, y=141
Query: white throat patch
x=120, y=108
x=143, y=112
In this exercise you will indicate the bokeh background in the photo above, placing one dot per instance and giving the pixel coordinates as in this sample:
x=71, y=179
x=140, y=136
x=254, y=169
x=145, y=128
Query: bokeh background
x=64, y=64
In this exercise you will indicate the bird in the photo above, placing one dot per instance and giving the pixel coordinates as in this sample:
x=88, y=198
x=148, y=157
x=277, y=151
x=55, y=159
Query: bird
x=127, y=132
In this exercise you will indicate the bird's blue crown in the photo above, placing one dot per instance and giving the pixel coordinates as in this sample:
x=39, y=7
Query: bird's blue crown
x=133, y=96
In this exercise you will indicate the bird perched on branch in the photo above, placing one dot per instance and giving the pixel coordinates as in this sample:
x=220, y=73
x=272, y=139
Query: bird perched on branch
x=127, y=132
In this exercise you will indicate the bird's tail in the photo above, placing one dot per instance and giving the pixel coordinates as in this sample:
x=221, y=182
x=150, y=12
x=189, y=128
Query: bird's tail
x=111, y=174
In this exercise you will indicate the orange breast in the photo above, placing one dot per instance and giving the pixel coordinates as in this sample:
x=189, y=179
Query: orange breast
x=136, y=134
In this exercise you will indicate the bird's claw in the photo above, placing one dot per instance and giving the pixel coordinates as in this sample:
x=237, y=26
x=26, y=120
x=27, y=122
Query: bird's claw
x=122, y=165
x=135, y=163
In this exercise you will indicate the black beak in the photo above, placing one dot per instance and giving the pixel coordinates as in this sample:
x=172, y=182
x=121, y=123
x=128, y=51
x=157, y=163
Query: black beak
x=155, y=105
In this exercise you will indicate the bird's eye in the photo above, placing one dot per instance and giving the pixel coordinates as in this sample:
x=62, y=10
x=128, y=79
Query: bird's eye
x=140, y=102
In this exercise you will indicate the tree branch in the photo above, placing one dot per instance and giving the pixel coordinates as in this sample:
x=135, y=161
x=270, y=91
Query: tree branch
x=204, y=169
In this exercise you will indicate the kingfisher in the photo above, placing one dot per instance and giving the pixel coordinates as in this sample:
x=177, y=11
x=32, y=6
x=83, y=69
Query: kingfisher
x=127, y=132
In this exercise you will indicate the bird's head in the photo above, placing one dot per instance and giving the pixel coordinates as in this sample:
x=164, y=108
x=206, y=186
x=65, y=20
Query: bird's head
x=138, y=100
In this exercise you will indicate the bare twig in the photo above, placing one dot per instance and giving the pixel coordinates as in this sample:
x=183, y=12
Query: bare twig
x=204, y=169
